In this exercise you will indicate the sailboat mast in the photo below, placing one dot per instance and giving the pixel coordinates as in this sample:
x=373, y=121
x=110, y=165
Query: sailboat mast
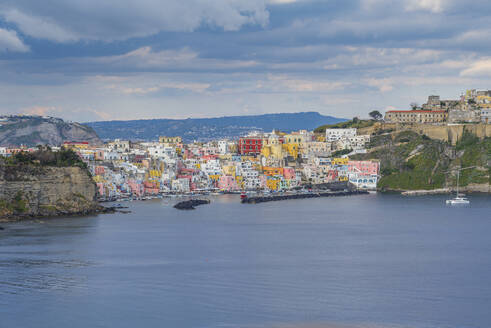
x=458, y=175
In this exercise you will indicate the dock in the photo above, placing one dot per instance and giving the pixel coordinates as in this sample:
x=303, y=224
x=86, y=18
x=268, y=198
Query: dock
x=272, y=198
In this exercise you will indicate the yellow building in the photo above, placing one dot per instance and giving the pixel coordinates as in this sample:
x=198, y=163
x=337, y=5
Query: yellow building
x=76, y=145
x=155, y=173
x=275, y=151
x=240, y=181
x=292, y=149
x=271, y=171
x=340, y=161
x=214, y=177
x=272, y=184
x=229, y=170
x=170, y=140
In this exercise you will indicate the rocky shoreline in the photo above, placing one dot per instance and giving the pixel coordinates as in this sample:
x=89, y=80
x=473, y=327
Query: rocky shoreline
x=95, y=211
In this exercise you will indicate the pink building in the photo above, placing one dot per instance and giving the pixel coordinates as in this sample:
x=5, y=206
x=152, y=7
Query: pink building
x=100, y=188
x=151, y=188
x=188, y=153
x=209, y=157
x=227, y=183
x=364, y=167
x=262, y=181
x=136, y=188
x=99, y=170
x=99, y=155
x=289, y=173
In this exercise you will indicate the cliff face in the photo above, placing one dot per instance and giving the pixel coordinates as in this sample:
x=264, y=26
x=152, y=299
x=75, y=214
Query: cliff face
x=36, y=130
x=30, y=191
x=448, y=133
x=409, y=161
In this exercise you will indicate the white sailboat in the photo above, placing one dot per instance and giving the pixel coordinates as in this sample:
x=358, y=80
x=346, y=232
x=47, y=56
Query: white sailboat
x=459, y=198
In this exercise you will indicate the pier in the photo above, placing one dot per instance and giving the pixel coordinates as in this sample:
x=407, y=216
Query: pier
x=263, y=199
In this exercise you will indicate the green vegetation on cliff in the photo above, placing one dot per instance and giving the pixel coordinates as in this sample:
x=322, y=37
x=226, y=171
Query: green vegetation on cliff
x=410, y=161
x=46, y=157
x=354, y=123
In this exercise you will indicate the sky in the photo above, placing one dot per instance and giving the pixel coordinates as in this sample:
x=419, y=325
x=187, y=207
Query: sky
x=96, y=60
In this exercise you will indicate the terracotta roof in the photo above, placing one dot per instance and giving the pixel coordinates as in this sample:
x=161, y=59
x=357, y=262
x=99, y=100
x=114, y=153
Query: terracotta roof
x=416, y=111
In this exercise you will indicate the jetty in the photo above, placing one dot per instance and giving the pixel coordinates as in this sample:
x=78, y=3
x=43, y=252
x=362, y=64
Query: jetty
x=191, y=204
x=272, y=198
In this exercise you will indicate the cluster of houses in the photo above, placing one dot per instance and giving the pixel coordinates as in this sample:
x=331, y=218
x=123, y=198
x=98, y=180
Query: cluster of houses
x=473, y=107
x=273, y=161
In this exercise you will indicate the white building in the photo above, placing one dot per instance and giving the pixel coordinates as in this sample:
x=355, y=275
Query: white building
x=222, y=147
x=336, y=134
x=181, y=185
x=358, y=142
x=486, y=115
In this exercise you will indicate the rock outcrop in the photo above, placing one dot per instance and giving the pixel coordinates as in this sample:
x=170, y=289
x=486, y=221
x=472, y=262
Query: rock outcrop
x=37, y=130
x=191, y=204
x=38, y=191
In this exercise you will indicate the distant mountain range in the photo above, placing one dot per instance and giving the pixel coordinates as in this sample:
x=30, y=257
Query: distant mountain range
x=205, y=129
x=16, y=130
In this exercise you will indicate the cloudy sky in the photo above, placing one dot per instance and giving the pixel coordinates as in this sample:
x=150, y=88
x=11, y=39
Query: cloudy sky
x=128, y=59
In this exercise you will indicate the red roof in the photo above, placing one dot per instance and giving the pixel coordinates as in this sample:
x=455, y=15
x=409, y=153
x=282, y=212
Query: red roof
x=416, y=111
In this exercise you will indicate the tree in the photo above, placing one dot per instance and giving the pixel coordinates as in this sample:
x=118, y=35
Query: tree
x=414, y=105
x=375, y=114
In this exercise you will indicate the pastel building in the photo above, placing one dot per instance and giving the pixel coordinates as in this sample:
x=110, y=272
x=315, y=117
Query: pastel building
x=227, y=183
x=336, y=134
x=365, y=167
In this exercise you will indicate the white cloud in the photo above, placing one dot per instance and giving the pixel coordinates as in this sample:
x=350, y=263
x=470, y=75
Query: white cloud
x=434, y=6
x=478, y=68
x=108, y=20
x=10, y=41
x=284, y=83
x=384, y=85
x=282, y=2
x=38, y=27
x=140, y=90
x=147, y=58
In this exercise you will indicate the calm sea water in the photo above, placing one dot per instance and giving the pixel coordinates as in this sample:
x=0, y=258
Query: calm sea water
x=362, y=261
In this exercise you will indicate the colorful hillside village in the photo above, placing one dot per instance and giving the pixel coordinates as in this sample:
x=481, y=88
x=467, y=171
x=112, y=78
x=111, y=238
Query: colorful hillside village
x=271, y=162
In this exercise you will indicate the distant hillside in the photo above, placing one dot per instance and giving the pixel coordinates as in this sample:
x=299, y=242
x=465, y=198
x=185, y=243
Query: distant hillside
x=37, y=130
x=204, y=129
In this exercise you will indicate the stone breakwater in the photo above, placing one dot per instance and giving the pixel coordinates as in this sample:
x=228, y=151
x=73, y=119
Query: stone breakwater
x=191, y=204
x=255, y=200
x=28, y=191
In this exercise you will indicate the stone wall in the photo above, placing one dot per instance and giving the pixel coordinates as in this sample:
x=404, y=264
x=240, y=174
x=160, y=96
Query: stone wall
x=449, y=133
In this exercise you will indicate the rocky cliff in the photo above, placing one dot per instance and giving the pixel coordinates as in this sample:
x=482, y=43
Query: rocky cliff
x=410, y=161
x=28, y=190
x=37, y=130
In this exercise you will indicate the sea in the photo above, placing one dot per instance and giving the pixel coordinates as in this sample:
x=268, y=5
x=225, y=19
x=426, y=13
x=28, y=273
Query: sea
x=374, y=261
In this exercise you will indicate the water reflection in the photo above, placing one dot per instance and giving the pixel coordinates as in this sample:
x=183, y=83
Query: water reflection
x=334, y=263
x=36, y=255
